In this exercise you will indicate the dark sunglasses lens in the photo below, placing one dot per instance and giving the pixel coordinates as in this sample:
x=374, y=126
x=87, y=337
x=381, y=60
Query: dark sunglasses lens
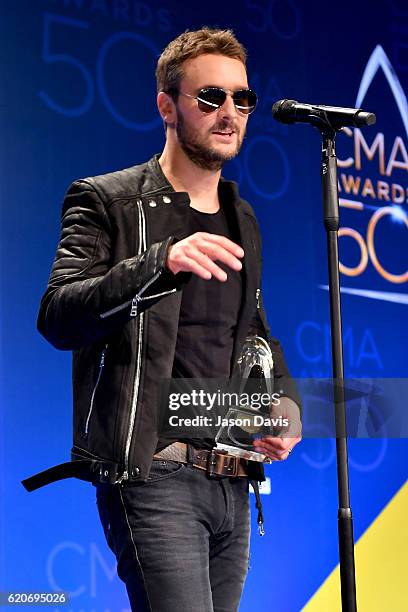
x=210, y=99
x=245, y=100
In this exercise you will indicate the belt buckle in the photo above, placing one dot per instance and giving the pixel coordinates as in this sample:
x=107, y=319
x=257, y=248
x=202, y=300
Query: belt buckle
x=217, y=467
x=232, y=467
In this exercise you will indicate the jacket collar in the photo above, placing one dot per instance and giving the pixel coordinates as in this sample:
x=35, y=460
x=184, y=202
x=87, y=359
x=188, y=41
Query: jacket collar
x=228, y=189
x=156, y=174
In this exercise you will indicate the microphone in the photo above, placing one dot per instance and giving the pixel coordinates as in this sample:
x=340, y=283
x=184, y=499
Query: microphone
x=290, y=111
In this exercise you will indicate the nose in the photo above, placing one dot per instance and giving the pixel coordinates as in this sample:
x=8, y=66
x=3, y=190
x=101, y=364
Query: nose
x=228, y=110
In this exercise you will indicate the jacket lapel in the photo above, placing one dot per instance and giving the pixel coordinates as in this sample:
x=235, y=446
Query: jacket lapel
x=250, y=269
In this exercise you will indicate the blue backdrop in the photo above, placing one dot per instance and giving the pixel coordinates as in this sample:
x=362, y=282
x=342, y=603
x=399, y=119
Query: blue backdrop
x=78, y=98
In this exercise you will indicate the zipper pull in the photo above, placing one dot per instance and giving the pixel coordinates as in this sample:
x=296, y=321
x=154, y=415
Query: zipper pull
x=133, y=309
x=101, y=366
x=102, y=363
x=125, y=476
x=258, y=295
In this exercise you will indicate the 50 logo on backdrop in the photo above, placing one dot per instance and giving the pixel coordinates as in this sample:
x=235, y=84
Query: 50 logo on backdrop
x=88, y=82
x=383, y=194
x=128, y=107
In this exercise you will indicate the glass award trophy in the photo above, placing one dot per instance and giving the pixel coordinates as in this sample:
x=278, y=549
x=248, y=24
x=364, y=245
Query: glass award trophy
x=246, y=420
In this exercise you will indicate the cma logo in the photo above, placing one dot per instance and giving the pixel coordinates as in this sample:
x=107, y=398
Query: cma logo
x=100, y=572
x=313, y=343
x=382, y=244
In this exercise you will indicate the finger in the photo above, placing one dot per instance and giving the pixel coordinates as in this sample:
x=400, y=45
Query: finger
x=277, y=444
x=188, y=264
x=206, y=262
x=219, y=253
x=274, y=456
x=224, y=242
x=275, y=453
x=280, y=443
x=271, y=451
x=292, y=443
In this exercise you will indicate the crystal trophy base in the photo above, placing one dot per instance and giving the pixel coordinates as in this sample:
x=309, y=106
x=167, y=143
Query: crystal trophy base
x=241, y=452
x=236, y=434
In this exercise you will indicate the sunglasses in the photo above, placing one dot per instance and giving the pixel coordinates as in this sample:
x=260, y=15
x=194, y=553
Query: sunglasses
x=210, y=99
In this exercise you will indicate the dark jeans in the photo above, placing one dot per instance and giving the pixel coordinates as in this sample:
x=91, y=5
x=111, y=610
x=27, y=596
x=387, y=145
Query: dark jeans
x=181, y=539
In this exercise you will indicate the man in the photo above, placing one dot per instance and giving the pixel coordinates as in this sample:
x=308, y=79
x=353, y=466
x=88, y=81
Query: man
x=157, y=274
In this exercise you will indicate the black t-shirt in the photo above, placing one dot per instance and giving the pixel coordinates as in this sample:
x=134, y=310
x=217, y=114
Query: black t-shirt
x=208, y=318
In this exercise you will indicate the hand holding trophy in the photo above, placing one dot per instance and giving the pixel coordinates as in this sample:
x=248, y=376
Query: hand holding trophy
x=278, y=446
x=245, y=420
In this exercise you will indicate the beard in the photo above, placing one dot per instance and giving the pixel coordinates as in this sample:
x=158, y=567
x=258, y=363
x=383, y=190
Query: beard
x=201, y=154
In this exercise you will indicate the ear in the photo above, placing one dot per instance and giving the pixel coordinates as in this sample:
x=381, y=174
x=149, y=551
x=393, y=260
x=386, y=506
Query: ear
x=167, y=108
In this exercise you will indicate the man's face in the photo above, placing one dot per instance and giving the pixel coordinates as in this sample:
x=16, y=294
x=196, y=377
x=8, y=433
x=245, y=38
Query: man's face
x=211, y=139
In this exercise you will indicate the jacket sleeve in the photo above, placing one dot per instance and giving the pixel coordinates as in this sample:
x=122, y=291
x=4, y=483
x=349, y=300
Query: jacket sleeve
x=87, y=298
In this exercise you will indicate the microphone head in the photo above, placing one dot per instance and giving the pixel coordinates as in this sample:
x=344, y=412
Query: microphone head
x=363, y=118
x=282, y=111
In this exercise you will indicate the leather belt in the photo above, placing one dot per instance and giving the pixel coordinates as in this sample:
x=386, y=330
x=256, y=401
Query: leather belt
x=215, y=463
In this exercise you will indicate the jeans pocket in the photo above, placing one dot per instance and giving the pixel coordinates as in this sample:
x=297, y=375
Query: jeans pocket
x=164, y=468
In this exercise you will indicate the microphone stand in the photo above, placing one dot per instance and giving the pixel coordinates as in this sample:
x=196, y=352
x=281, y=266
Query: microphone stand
x=331, y=224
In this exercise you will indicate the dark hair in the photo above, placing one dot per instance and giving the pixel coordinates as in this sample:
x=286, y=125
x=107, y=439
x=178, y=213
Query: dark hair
x=188, y=45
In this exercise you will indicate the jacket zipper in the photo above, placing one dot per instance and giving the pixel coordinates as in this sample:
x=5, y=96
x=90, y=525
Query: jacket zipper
x=138, y=298
x=258, y=295
x=134, y=301
x=136, y=382
x=91, y=404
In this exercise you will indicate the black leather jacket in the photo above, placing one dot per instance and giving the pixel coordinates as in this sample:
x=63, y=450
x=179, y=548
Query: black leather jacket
x=111, y=300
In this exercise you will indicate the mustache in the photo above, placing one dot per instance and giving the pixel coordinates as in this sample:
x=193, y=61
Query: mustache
x=225, y=126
